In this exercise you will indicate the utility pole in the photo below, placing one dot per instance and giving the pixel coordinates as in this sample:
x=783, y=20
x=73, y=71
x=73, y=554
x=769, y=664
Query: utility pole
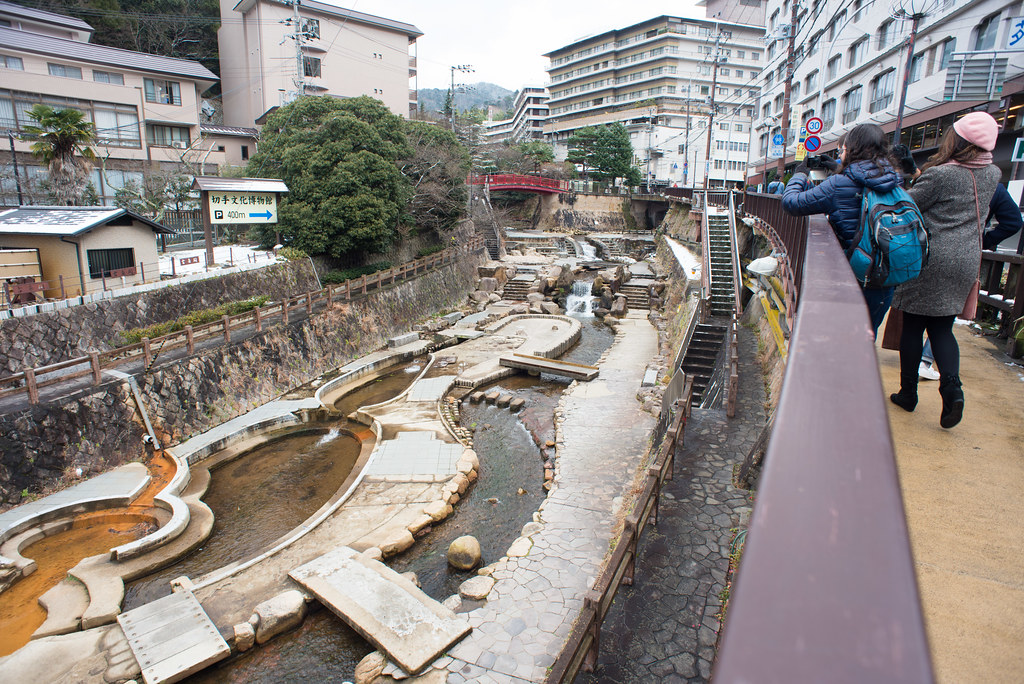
x=711, y=115
x=465, y=68
x=14, y=161
x=790, y=53
x=297, y=35
x=650, y=133
x=686, y=138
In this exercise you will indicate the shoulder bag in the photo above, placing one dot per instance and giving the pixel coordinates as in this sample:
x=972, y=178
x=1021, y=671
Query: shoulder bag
x=970, y=309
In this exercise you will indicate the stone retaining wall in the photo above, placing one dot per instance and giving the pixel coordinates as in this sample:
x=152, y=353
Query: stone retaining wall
x=69, y=333
x=99, y=429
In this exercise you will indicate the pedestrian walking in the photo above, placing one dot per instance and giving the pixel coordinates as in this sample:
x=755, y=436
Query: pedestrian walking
x=956, y=182
x=866, y=163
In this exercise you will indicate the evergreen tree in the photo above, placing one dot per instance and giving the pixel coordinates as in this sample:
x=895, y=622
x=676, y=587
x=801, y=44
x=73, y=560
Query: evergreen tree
x=61, y=141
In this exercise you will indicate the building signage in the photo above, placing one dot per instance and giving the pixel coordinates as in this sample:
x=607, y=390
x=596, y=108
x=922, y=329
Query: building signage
x=1018, y=151
x=231, y=206
x=1015, y=36
x=775, y=149
x=801, y=149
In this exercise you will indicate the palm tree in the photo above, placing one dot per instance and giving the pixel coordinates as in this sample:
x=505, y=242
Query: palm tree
x=60, y=135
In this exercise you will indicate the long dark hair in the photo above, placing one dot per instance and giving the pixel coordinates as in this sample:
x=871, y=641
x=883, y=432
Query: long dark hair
x=868, y=142
x=953, y=148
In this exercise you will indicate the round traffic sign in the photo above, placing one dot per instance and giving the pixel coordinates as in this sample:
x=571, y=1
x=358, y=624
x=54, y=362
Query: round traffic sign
x=812, y=143
x=814, y=125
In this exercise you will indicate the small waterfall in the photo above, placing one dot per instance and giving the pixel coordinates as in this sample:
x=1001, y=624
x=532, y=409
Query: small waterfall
x=329, y=437
x=589, y=250
x=580, y=301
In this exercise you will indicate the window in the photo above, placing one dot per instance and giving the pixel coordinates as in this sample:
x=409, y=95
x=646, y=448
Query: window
x=828, y=114
x=811, y=82
x=985, y=34
x=766, y=111
x=311, y=66
x=64, y=70
x=245, y=152
x=794, y=91
x=737, y=92
x=778, y=103
x=948, y=46
x=9, y=62
x=163, y=92
x=833, y=67
x=851, y=104
x=116, y=124
x=857, y=52
x=704, y=90
x=311, y=28
x=881, y=91
x=771, y=51
x=773, y=20
x=725, y=72
x=107, y=77
x=858, y=8
x=836, y=25
x=738, y=128
x=917, y=66
x=741, y=54
x=887, y=34
x=103, y=261
x=739, y=73
x=755, y=55
x=812, y=44
x=167, y=136
x=769, y=78
x=724, y=126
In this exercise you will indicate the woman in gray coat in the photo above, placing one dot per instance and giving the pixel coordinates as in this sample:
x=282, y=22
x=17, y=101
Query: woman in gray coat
x=956, y=183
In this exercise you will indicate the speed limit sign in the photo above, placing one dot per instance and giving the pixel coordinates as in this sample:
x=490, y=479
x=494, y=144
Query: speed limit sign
x=814, y=125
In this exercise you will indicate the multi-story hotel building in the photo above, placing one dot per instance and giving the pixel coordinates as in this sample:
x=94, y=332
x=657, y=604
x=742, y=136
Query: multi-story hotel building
x=658, y=78
x=850, y=56
x=146, y=108
x=343, y=53
x=529, y=112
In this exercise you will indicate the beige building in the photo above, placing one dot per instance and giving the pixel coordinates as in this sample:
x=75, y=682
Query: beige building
x=236, y=143
x=342, y=53
x=84, y=248
x=529, y=112
x=146, y=108
x=657, y=78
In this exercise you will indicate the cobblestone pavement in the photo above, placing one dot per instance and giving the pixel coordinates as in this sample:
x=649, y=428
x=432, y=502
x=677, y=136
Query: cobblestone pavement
x=602, y=436
x=664, y=627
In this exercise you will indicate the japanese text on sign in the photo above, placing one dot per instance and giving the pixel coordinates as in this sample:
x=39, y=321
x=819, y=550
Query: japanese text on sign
x=242, y=207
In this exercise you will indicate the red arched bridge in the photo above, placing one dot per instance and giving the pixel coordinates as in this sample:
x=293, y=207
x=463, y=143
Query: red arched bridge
x=519, y=181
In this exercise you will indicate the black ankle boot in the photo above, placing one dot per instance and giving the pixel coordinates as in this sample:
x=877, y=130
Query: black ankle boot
x=952, y=394
x=906, y=398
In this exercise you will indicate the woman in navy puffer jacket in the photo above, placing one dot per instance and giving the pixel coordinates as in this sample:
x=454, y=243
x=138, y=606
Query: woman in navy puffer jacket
x=867, y=162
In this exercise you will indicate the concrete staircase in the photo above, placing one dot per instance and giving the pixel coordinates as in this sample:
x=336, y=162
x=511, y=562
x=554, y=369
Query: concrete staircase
x=517, y=288
x=719, y=248
x=637, y=293
x=699, y=362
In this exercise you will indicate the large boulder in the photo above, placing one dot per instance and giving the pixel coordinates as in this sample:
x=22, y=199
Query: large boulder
x=488, y=284
x=496, y=270
x=606, y=298
x=464, y=553
x=614, y=277
x=279, y=614
x=620, y=306
x=536, y=307
x=551, y=308
x=534, y=297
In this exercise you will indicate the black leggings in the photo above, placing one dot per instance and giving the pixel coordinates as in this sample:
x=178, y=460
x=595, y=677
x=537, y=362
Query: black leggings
x=944, y=346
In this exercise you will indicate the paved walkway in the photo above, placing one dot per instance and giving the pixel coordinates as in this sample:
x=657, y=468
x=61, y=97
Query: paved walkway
x=963, y=492
x=664, y=627
x=539, y=591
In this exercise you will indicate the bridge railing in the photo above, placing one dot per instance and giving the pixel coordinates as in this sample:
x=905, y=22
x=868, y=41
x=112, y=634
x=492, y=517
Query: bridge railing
x=826, y=589
x=518, y=179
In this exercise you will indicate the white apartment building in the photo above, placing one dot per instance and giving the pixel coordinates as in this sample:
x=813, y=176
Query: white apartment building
x=658, y=78
x=530, y=111
x=850, y=56
x=342, y=53
x=146, y=108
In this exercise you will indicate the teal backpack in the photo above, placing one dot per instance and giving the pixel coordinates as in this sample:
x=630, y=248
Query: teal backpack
x=891, y=245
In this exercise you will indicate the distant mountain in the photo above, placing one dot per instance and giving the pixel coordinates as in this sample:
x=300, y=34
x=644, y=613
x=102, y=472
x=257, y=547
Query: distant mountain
x=480, y=95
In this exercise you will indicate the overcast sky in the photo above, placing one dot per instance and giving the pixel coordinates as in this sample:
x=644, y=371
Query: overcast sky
x=504, y=40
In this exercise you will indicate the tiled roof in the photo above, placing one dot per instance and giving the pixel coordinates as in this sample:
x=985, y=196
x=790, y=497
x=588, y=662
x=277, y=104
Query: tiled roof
x=220, y=184
x=43, y=16
x=63, y=221
x=218, y=129
x=58, y=48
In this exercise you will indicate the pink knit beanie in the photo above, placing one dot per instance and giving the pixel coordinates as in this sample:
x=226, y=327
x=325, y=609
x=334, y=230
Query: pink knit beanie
x=979, y=129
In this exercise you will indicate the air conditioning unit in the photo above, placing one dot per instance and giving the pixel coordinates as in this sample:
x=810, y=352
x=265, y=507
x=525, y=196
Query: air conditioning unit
x=178, y=144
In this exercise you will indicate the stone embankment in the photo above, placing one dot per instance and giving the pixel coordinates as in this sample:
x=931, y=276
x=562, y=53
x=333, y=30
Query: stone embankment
x=69, y=333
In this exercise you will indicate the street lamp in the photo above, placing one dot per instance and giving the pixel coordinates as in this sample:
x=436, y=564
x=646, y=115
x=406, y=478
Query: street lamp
x=915, y=10
x=465, y=68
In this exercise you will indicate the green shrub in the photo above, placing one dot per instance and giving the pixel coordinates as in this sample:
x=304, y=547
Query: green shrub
x=291, y=253
x=427, y=251
x=135, y=335
x=335, y=277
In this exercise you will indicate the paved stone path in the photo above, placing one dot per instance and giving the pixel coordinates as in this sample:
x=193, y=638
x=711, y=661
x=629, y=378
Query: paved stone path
x=664, y=627
x=601, y=438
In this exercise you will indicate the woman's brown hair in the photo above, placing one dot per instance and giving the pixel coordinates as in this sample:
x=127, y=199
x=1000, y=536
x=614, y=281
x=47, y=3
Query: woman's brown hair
x=953, y=148
x=867, y=142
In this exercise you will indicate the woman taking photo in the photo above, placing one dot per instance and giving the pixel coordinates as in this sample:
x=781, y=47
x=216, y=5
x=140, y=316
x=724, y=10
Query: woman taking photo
x=866, y=162
x=958, y=180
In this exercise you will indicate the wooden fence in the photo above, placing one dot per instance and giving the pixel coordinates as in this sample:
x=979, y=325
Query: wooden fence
x=582, y=647
x=31, y=380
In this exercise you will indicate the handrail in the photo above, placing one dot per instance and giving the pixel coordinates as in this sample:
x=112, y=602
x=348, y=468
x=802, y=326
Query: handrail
x=28, y=381
x=580, y=650
x=737, y=282
x=1008, y=299
x=705, y=254
x=826, y=589
x=517, y=179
